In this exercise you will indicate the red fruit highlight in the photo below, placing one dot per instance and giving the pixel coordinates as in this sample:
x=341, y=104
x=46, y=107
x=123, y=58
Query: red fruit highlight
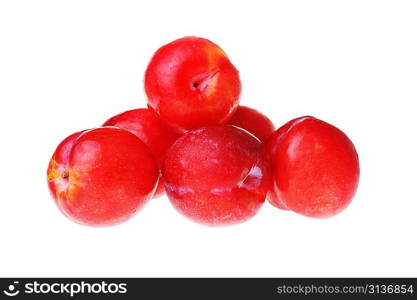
x=146, y=125
x=190, y=83
x=101, y=177
x=315, y=168
x=253, y=121
x=216, y=175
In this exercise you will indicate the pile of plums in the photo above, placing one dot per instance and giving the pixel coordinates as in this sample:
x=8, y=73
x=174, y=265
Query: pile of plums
x=216, y=161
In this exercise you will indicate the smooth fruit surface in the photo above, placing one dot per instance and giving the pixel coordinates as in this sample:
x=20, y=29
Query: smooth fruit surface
x=253, y=121
x=216, y=175
x=315, y=168
x=101, y=177
x=146, y=125
x=190, y=83
x=272, y=146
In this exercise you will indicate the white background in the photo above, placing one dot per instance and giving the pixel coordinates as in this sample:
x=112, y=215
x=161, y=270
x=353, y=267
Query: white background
x=69, y=65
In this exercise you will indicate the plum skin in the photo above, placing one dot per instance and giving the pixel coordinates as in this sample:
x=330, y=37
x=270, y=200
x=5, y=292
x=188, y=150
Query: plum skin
x=101, y=177
x=216, y=175
x=253, y=121
x=190, y=83
x=315, y=168
x=145, y=124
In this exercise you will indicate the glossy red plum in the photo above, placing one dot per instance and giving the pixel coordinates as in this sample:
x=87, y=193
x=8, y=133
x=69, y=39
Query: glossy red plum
x=190, y=83
x=253, y=121
x=101, y=177
x=145, y=124
x=216, y=175
x=315, y=168
x=272, y=146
